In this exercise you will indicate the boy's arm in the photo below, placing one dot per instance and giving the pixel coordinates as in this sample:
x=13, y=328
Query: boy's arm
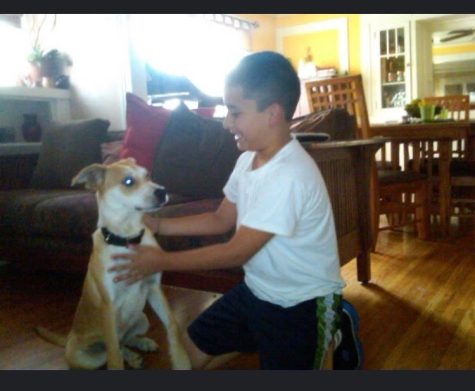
x=212, y=223
x=146, y=260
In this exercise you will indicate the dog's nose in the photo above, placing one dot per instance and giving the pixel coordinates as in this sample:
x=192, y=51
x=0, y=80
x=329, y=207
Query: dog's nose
x=161, y=194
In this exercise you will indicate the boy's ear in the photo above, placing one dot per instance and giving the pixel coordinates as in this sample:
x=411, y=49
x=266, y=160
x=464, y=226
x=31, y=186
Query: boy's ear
x=276, y=114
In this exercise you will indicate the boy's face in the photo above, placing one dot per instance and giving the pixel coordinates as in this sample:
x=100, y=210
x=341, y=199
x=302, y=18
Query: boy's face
x=249, y=126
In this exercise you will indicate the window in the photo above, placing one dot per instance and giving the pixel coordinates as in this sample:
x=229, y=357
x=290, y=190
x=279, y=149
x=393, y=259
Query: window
x=14, y=47
x=202, y=50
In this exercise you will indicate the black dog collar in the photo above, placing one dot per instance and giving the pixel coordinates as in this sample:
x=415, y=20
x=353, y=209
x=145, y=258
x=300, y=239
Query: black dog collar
x=116, y=240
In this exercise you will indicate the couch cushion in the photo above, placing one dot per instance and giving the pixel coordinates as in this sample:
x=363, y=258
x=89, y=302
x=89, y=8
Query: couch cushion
x=195, y=155
x=67, y=148
x=145, y=126
x=61, y=213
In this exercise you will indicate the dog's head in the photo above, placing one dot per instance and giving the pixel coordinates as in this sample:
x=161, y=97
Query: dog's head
x=123, y=184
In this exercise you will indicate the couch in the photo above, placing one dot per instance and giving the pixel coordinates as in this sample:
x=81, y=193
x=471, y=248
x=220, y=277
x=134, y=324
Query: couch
x=46, y=224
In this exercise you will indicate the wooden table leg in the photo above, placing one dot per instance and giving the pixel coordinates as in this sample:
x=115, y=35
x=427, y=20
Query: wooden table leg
x=444, y=185
x=470, y=140
x=366, y=173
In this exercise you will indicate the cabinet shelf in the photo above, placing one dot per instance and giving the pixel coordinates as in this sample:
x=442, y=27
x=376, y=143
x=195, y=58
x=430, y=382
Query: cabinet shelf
x=394, y=83
x=34, y=93
x=393, y=55
x=49, y=104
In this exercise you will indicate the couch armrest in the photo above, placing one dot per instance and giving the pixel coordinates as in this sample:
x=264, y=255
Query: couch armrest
x=16, y=170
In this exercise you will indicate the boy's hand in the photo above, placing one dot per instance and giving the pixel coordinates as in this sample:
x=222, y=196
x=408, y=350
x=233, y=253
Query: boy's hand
x=151, y=222
x=136, y=265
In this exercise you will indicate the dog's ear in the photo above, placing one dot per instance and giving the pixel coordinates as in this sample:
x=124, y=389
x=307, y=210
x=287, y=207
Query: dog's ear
x=92, y=176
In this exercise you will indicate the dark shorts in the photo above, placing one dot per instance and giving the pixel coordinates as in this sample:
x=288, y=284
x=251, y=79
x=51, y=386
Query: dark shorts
x=286, y=338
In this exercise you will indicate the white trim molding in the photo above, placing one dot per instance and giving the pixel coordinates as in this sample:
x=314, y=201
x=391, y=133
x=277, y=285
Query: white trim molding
x=339, y=24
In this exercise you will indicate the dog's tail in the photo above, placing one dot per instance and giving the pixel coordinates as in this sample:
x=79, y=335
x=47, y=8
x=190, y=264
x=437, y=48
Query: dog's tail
x=50, y=336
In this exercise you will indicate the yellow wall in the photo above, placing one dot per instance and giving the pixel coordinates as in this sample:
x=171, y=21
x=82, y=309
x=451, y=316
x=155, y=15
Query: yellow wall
x=453, y=49
x=295, y=48
x=323, y=46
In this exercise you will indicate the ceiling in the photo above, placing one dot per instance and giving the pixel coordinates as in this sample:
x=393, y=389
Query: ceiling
x=437, y=36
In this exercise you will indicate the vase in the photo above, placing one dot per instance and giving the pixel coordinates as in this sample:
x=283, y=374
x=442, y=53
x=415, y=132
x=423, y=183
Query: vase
x=427, y=112
x=34, y=76
x=30, y=128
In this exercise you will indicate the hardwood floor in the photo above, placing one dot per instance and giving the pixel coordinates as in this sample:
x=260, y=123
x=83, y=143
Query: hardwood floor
x=418, y=312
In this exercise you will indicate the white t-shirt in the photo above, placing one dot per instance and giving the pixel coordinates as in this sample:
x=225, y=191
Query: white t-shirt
x=287, y=196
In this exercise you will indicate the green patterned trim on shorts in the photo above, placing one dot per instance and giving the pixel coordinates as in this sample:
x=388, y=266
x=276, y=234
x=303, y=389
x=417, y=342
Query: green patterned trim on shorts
x=328, y=318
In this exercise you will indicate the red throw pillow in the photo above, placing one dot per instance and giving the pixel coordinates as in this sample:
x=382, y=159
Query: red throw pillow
x=145, y=126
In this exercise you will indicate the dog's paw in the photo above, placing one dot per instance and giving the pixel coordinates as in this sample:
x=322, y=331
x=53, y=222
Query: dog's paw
x=143, y=344
x=134, y=359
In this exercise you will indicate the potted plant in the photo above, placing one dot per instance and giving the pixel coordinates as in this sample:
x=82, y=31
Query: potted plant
x=53, y=66
x=413, y=109
x=47, y=67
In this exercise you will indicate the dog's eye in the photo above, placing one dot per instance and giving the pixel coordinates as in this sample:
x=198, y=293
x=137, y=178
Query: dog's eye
x=128, y=181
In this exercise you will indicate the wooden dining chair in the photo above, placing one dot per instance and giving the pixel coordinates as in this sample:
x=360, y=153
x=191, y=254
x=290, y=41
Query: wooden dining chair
x=458, y=109
x=462, y=171
x=397, y=193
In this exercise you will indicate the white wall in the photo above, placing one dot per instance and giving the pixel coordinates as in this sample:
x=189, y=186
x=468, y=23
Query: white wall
x=100, y=75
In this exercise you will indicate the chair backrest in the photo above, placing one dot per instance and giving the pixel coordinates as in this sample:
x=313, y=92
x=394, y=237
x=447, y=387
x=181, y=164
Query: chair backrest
x=458, y=106
x=340, y=92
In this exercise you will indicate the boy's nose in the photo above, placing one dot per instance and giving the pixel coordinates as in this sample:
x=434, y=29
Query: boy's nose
x=227, y=122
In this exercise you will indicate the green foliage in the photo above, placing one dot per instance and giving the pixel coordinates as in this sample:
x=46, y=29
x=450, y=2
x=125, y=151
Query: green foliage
x=413, y=110
x=52, y=63
x=35, y=56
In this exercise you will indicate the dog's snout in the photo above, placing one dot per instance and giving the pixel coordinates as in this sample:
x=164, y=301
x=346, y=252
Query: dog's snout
x=161, y=194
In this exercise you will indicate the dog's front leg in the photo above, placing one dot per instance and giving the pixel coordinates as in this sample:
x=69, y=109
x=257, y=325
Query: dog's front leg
x=159, y=303
x=114, y=356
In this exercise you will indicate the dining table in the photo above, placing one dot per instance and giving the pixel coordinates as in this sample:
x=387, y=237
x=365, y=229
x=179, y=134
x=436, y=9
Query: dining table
x=444, y=133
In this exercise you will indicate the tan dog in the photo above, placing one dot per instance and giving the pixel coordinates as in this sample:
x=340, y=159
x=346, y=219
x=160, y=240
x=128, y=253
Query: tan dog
x=109, y=317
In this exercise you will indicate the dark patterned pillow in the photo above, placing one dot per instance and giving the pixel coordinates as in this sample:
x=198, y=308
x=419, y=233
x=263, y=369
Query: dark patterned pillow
x=194, y=156
x=66, y=149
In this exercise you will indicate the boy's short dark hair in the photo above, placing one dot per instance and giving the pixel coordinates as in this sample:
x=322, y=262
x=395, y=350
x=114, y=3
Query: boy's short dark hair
x=267, y=77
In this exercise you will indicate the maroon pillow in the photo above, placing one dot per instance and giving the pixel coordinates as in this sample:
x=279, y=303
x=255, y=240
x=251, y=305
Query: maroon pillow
x=145, y=126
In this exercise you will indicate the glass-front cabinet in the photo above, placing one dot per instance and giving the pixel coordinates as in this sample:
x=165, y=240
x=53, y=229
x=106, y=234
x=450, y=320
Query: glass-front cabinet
x=391, y=63
x=393, y=66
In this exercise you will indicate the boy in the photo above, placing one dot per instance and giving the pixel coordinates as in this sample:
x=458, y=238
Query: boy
x=285, y=239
